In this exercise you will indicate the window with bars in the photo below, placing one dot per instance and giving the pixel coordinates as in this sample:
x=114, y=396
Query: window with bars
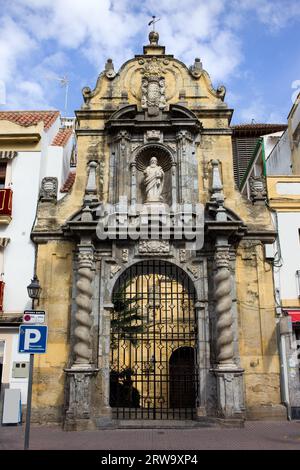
x=153, y=344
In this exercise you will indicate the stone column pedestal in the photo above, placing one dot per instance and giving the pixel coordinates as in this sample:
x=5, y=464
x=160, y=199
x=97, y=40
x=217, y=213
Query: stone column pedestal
x=79, y=391
x=230, y=395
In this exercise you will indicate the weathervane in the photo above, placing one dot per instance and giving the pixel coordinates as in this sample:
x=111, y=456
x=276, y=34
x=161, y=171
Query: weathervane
x=153, y=21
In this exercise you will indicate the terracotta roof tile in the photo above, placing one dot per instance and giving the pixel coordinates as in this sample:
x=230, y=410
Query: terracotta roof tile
x=62, y=137
x=69, y=182
x=259, y=126
x=30, y=118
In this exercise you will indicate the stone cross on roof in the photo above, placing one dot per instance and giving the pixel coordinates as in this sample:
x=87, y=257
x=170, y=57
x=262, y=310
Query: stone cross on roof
x=153, y=21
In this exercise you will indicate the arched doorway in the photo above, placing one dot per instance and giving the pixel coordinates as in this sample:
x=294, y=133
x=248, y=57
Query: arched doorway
x=182, y=378
x=153, y=319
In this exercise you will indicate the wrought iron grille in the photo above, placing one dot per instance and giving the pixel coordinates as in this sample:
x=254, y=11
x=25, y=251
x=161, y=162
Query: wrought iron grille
x=153, y=344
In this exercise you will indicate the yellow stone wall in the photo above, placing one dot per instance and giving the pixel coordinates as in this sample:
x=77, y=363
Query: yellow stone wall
x=55, y=275
x=257, y=330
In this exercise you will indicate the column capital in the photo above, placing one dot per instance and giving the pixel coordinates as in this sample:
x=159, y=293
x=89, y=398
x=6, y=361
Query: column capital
x=222, y=257
x=85, y=259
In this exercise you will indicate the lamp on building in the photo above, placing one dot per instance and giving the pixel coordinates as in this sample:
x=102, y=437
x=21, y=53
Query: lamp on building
x=34, y=288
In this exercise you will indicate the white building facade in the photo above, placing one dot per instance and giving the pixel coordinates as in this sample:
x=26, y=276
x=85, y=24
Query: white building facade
x=274, y=177
x=36, y=156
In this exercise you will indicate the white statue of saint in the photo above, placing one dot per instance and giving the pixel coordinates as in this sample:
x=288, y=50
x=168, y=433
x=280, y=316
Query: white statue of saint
x=153, y=181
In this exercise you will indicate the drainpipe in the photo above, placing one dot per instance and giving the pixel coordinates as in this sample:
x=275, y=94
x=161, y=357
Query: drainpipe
x=263, y=156
x=284, y=374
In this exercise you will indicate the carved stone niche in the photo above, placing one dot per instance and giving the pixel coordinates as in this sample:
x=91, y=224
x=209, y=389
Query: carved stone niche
x=48, y=191
x=164, y=160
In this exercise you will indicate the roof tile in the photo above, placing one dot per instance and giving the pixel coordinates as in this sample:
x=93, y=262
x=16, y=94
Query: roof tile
x=259, y=126
x=30, y=118
x=67, y=186
x=62, y=137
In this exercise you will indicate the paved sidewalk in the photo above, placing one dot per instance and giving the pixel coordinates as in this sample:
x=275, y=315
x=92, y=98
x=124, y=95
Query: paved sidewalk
x=255, y=435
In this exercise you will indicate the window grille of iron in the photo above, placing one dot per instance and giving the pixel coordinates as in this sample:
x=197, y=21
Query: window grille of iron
x=153, y=344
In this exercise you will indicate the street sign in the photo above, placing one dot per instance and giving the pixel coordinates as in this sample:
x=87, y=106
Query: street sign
x=34, y=317
x=33, y=339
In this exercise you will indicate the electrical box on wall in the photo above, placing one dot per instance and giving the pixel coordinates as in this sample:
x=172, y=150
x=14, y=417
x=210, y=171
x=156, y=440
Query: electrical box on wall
x=20, y=370
x=285, y=325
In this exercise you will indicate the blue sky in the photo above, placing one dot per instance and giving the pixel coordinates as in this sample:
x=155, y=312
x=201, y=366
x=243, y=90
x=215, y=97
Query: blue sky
x=250, y=46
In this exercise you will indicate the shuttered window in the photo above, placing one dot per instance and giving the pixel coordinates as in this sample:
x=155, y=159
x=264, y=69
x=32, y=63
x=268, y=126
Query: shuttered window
x=2, y=174
x=243, y=148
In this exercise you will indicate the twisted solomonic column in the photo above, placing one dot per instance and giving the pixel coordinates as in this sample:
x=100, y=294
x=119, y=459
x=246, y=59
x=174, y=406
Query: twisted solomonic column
x=225, y=352
x=82, y=348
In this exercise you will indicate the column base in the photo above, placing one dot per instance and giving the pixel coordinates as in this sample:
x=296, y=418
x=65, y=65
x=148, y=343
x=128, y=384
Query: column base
x=104, y=420
x=200, y=412
x=230, y=393
x=78, y=416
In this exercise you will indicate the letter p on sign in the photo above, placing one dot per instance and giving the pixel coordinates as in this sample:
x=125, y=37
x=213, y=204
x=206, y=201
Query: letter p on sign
x=31, y=337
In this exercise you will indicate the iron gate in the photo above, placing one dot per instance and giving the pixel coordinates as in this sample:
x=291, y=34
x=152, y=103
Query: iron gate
x=153, y=344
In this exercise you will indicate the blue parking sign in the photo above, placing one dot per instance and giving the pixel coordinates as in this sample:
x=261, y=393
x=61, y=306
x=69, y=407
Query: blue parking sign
x=33, y=339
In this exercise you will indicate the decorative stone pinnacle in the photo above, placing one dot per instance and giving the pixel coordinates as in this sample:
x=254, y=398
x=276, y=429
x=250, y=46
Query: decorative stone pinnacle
x=153, y=38
x=87, y=215
x=91, y=187
x=216, y=187
x=196, y=69
x=109, y=69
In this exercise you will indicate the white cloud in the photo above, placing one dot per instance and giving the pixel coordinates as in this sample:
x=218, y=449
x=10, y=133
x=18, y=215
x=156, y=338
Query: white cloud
x=28, y=95
x=15, y=46
x=259, y=111
x=98, y=29
x=276, y=14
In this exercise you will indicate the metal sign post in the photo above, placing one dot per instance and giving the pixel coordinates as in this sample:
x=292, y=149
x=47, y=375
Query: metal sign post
x=32, y=340
x=28, y=410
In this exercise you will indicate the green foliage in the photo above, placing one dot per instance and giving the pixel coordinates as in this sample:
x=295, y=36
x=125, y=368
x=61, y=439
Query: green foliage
x=124, y=324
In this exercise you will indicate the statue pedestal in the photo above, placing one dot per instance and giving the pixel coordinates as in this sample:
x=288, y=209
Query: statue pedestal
x=156, y=206
x=230, y=394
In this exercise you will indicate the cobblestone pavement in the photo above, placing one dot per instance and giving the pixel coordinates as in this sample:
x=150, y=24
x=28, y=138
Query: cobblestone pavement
x=255, y=435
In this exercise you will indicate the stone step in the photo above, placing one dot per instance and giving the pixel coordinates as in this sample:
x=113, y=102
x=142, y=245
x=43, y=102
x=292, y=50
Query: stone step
x=163, y=423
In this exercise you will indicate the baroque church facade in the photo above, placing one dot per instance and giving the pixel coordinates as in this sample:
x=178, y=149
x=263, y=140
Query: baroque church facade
x=155, y=326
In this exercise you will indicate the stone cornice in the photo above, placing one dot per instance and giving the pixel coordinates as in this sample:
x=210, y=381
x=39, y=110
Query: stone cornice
x=217, y=131
x=158, y=124
x=31, y=138
x=265, y=236
x=200, y=112
x=212, y=113
x=230, y=229
x=47, y=235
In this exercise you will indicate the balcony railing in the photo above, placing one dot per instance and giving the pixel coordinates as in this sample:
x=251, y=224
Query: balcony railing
x=2, y=285
x=5, y=202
